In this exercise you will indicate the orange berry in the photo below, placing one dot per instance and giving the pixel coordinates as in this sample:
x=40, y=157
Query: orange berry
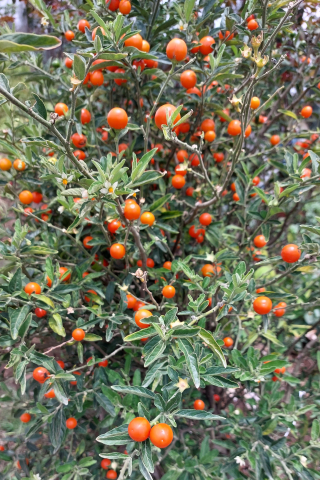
x=78, y=334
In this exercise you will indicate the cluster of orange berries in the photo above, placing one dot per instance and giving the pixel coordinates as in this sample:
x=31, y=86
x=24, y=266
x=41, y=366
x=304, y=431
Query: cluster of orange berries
x=160, y=435
x=6, y=164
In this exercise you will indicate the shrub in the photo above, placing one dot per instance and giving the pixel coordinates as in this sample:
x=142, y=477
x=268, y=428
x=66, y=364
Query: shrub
x=160, y=242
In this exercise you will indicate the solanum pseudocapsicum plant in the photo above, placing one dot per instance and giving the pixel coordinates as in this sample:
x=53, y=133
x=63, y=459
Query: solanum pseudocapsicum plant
x=160, y=242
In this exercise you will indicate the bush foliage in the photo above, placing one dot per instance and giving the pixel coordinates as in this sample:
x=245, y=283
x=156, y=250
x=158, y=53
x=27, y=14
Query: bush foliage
x=160, y=242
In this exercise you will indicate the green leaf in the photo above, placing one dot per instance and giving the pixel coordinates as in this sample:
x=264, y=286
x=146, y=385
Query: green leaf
x=191, y=360
x=139, y=391
x=4, y=83
x=39, y=107
x=55, y=323
x=219, y=381
x=45, y=299
x=116, y=436
x=197, y=415
x=270, y=336
x=91, y=337
x=57, y=428
x=143, y=469
x=147, y=455
x=272, y=365
x=114, y=455
x=315, y=430
x=142, y=164
x=188, y=7
x=17, y=316
x=61, y=395
x=158, y=203
x=150, y=176
x=143, y=333
x=105, y=404
x=207, y=337
x=185, y=331
x=79, y=67
x=288, y=113
x=23, y=42
x=15, y=284
x=154, y=353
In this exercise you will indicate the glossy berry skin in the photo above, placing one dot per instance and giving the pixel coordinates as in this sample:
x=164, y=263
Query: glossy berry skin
x=199, y=404
x=274, y=140
x=61, y=363
x=25, y=418
x=280, y=309
x=139, y=315
x=5, y=164
x=40, y=374
x=78, y=334
x=97, y=78
x=256, y=181
x=234, y=128
x=188, y=79
x=259, y=241
x=117, y=118
x=32, y=287
x=255, y=103
x=103, y=363
x=82, y=24
x=228, y=342
x=40, y=312
x=79, y=141
x=208, y=270
x=161, y=114
x=161, y=435
x=105, y=463
x=248, y=131
x=216, y=397
x=61, y=109
x=62, y=271
x=206, y=45
x=117, y=251
x=207, y=125
x=280, y=370
x=168, y=291
x=68, y=62
x=69, y=35
x=113, y=226
x=139, y=429
x=50, y=394
x=210, y=136
x=85, y=116
x=25, y=197
x=132, y=211
x=85, y=242
x=79, y=154
x=131, y=301
x=134, y=41
x=177, y=49
x=205, y=219
x=147, y=218
x=252, y=25
x=167, y=265
x=71, y=423
x=125, y=7
x=182, y=156
x=290, y=253
x=306, y=112
x=236, y=197
x=150, y=263
x=262, y=305
x=189, y=191
x=178, y=182
x=111, y=474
